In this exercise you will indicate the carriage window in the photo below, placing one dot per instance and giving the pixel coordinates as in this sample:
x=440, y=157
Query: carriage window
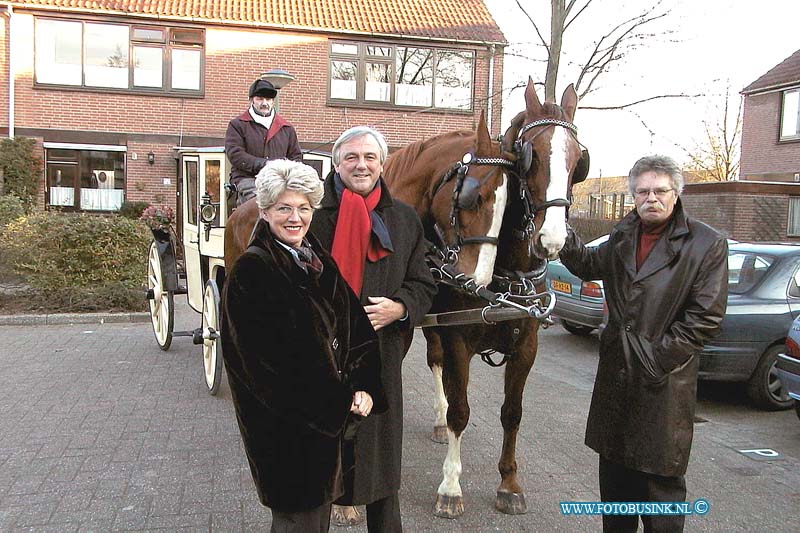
x=401, y=76
x=119, y=56
x=790, y=115
x=85, y=180
x=190, y=194
x=212, y=185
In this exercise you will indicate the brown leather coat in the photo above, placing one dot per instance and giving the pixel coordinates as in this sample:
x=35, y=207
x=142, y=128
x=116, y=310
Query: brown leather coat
x=643, y=403
x=249, y=145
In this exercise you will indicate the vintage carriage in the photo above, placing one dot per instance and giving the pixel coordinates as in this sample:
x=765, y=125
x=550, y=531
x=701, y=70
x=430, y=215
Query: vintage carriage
x=191, y=261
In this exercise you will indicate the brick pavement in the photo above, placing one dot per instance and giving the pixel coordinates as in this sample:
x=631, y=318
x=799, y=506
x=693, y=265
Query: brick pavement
x=101, y=431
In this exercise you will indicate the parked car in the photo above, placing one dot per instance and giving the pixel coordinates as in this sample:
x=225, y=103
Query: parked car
x=788, y=365
x=580, y=305
x=763, y=300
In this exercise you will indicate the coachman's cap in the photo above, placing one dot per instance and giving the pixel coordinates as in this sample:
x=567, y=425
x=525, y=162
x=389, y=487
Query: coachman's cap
x=263, y=88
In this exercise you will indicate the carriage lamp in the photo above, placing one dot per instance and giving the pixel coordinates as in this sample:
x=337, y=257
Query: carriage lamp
x=208, y=212
x=151, y=158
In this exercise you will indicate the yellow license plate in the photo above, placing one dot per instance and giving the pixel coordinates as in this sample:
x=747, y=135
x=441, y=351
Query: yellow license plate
x=561, y=286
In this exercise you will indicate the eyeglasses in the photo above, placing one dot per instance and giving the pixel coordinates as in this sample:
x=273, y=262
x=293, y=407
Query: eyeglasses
x=286, y=210
x=645, y=193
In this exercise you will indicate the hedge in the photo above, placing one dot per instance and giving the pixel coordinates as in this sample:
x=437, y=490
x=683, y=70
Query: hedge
x=80, y=261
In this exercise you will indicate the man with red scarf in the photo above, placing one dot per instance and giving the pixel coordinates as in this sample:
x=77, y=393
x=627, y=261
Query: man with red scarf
x=379, y=247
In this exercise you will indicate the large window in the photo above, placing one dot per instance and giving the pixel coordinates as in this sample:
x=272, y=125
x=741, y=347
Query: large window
x=120, y=56
x=407, y=76
x=85, y=177
x=790, y=115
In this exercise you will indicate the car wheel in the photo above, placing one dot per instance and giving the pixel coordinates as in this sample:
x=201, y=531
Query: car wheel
x=764, y=387
x=577, y=329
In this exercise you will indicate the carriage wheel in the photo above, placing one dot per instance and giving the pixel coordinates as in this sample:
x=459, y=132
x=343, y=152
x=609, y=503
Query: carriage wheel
x=212, y=353
x=162, y=310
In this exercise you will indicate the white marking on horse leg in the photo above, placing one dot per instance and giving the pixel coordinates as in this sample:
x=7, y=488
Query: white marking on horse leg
x=440, y=402
x=451, y=468
x=488, y=253
x=554, y=229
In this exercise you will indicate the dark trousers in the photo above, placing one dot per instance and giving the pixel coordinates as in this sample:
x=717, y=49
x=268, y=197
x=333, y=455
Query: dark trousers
x=318, y=519
x=621, y=484
x=383, y=516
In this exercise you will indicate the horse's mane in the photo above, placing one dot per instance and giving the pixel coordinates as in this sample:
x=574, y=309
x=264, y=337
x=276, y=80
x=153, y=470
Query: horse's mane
x=404, y=159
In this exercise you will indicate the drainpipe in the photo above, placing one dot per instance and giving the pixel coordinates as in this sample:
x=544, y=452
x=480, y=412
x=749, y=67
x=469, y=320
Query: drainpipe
x=491, y=89
x=11, y=71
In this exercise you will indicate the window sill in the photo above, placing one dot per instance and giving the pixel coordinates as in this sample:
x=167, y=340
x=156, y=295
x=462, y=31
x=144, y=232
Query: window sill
x=112, y=90
x=401, y=109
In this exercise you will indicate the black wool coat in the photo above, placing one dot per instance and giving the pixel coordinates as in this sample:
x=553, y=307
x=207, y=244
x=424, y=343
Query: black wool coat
x=403, y=275
x=659, y=318
x=249, y=145
x=295, y=351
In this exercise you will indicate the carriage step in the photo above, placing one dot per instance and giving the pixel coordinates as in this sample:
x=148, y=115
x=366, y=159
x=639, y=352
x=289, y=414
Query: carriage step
x=193, y=334
x=180, y=290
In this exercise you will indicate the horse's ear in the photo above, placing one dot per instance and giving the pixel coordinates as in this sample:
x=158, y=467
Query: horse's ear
x=511, y=133
x=532, y=103
x=482, y=134
x=569, y=101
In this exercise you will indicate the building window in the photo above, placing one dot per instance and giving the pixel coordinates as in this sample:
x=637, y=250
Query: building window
x=404, y=76
x=119, y=56
x=790, y=115
x=793, y=225
x=85, y=177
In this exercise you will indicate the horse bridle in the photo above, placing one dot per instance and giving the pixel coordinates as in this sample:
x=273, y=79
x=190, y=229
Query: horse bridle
x=465, y=196
x=527, y=228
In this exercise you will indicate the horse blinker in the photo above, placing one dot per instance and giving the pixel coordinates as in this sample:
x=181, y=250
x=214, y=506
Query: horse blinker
x=582, y=168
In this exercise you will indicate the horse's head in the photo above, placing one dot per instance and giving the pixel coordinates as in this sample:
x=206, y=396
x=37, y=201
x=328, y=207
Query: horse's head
x=469, y=202
x=549, y=162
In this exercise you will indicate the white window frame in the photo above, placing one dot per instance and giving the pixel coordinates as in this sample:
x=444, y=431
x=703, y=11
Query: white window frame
x=790, y=114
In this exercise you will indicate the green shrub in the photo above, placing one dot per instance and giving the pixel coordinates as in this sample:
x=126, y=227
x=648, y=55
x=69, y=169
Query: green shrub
x=589, y=229
x=11, y=208
x=133, y=210
x=76, y=255
x=21, y=169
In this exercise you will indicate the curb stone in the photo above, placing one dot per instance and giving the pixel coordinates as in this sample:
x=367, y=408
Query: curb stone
x=72, y=318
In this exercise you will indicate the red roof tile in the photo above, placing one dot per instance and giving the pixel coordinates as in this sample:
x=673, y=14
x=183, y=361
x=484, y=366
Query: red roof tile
x=452, y=20
x=787, y=72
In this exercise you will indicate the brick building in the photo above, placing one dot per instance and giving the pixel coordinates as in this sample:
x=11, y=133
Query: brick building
x=764, y=205
x=112, y=89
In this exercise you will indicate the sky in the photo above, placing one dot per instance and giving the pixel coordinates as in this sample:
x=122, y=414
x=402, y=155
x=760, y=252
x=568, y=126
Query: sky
x=713, y=44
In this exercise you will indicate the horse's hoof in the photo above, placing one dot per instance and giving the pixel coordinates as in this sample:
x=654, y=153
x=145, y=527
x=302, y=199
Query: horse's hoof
x=449, y=506
x=511, y=502
x=439, y=434
x=346, y=516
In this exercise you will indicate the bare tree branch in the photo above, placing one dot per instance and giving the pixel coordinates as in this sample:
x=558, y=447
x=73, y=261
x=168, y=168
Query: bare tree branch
x=643, y=100
x=535, y=27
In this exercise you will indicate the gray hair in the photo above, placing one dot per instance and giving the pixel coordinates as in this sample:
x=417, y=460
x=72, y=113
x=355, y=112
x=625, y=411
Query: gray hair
x=358, y=132
x=660, y=164
x=280, y=175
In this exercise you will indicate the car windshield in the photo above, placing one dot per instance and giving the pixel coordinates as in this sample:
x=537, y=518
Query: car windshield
x=745, y=269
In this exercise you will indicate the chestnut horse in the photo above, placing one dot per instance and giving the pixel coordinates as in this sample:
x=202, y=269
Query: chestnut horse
x=548, y=160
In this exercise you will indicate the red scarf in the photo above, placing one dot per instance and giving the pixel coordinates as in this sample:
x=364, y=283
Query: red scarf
x=647, y=240
x=352, y=239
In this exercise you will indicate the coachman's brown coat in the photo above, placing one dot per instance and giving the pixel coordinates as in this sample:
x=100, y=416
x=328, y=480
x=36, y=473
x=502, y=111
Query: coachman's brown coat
x=292, y=383
x=643, y=404
x=249, y=145
x=403, y=275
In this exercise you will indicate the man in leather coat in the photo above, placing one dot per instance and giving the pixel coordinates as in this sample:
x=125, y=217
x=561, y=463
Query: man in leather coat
x=665, y=277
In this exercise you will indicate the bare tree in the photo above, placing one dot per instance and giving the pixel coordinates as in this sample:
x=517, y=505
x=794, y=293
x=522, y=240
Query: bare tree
x=606, y=50
x=716, y=155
